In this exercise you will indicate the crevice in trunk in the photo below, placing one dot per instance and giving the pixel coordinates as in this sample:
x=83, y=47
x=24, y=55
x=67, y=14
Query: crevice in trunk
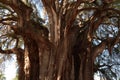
x=20, y=60
x=33, y=53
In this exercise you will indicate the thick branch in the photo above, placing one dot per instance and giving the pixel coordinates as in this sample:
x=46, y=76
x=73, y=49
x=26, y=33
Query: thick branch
x=11, y=51
x=98, y=49
x=109, y=42
x=6, y=51
x=22, y=10
x=48, y=6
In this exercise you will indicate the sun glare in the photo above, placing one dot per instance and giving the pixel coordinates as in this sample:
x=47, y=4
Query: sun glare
x=10, y=70
x=96, y=77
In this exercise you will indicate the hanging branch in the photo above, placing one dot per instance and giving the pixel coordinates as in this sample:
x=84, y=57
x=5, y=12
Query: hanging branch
x=11, y=51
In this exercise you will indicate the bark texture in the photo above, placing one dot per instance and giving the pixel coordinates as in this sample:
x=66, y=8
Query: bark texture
x=68, y=54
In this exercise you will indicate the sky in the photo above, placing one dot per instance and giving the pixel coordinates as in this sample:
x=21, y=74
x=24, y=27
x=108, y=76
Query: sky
x=10, y=69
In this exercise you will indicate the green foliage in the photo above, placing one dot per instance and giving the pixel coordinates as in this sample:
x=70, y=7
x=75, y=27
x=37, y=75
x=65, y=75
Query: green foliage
x=2, y=77
x=116, y=4
x=16, y=78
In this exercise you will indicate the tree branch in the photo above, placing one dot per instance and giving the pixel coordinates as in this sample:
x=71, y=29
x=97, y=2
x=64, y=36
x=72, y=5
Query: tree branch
x=5, y=51
x=11, y=51
x=98, y=49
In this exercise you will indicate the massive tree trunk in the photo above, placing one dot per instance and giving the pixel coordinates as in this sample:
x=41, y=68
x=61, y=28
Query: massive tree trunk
x=70, y=56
